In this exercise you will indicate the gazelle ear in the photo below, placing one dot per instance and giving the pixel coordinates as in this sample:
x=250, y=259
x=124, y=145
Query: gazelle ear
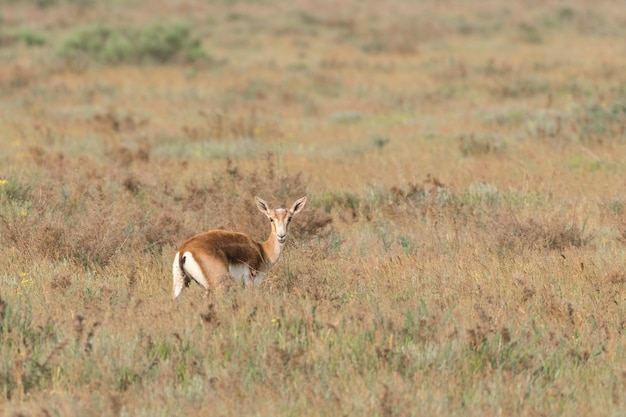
x=298, y=205
x=262, y=206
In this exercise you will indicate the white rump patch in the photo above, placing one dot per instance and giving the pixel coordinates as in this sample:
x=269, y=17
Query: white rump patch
x=192, y=269
x=179, y=276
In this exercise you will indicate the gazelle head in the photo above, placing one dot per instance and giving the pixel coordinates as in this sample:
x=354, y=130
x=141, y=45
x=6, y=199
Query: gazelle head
x=280, y=217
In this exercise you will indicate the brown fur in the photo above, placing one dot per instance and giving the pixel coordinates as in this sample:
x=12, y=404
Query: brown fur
x=225, y=247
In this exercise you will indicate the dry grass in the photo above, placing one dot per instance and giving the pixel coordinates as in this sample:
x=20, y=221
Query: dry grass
x=462, y=251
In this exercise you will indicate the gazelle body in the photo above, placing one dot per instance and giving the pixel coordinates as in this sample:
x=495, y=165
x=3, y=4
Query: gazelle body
x=213, y=258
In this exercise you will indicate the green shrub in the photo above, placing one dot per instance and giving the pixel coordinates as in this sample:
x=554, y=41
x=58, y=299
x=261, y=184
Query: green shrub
x=155, y=43
x=595, y=122
x=30, y=37
x=24, y=35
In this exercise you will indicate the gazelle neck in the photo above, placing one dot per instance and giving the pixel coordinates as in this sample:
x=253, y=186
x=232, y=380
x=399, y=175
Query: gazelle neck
x=273, y=249
x=279, y=220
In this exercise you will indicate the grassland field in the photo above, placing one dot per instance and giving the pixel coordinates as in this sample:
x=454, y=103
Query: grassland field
x=463, y=247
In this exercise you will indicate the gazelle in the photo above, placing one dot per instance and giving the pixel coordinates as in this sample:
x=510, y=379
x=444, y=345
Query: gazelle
x=215, y=257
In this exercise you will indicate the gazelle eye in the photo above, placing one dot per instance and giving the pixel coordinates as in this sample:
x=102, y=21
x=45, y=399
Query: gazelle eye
x=271, y=220
x=289, y=219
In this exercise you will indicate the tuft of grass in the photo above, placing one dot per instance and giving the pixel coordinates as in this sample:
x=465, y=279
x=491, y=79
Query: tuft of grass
x=342, y=200
x=346, y=117
x=530, y=33
x=552, y=233
x=476, y=145
x=597, y=121
x=590, y=123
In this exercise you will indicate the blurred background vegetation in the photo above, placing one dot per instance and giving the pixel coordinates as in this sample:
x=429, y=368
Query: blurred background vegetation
x=462, y=248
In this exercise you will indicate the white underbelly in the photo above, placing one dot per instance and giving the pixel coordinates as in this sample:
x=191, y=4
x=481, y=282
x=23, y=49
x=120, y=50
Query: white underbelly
x=242, y=274
x=239, y=272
